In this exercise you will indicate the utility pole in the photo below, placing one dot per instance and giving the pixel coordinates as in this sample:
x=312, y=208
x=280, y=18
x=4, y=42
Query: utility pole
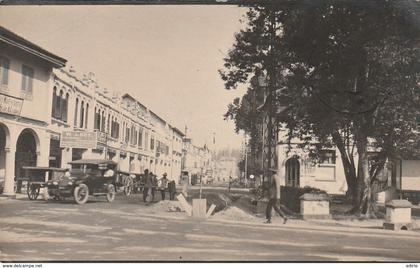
x=270, y=122
x=246, y=159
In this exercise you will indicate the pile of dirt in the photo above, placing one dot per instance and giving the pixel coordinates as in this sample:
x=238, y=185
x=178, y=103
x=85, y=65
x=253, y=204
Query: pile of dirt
x=234, y=213
x=228, y=207
x=244, y=202
x=164, y=206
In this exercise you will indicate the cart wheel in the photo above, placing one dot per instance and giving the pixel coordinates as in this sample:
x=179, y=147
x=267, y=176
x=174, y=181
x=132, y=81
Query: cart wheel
x=81, y=194
x=110, y=195
x=33, y=191
x=128, y=188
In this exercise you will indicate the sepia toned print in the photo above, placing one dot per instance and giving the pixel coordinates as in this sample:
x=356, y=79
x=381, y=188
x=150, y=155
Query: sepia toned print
x=285, y=131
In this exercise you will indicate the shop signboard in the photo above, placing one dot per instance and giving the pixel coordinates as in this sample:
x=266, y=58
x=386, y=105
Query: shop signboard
x=79, y=139
x=102, y=137
x=10, y=105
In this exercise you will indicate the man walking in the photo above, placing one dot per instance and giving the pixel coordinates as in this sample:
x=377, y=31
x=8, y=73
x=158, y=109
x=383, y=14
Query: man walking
x=163, y=185
x=171, y=190
x=274, y=198
x=154, y=185
x=148, y=184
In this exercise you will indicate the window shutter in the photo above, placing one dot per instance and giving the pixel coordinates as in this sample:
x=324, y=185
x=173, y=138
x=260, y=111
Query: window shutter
x=30, y=80
x=75, y=112
x=87, y=115
x=57, y=110
x=64, y=106
x=118, y=130
x=82, y=115
x=4, y=71
x=53, y=103
x=27, y=77
x=23, y=86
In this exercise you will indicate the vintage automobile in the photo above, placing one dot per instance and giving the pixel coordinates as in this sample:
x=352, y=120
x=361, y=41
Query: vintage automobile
x=86, y=177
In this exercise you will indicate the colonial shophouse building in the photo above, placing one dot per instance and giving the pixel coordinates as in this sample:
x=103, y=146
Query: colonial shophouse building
x=50, y=116
x=90, y=121
x=25, y=105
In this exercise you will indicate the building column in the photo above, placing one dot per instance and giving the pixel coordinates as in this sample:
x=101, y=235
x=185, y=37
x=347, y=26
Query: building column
x=9, y=178
x=66, y=154
x=43, y=150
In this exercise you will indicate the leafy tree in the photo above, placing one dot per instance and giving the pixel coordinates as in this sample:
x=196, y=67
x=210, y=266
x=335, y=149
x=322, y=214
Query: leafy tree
x=247, y=117
x=350, y=78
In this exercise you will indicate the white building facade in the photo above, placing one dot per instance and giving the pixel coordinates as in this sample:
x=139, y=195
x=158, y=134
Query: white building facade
x=25, y=101
x=400, y=177
x=50, y=116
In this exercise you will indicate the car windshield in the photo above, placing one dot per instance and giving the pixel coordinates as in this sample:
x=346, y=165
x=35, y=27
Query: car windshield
x=91, y=169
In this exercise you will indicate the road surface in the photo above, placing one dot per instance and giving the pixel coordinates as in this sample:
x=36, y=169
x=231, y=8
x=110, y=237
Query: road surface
x=129, y=230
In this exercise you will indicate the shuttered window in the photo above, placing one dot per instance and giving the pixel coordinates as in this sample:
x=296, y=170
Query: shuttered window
x=4, y=71
x=27, y=79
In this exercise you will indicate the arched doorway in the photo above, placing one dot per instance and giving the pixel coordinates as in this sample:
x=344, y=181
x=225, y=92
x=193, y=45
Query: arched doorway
x=26, y=147
x=3, y=138
x=293, y=172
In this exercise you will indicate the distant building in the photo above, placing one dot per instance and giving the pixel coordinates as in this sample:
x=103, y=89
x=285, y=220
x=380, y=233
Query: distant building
x=197, y=161
x=226, y=167
x=176, y=150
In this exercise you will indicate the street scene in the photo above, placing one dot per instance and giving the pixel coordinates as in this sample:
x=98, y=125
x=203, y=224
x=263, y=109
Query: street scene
x=282, y=131
x=129, y=230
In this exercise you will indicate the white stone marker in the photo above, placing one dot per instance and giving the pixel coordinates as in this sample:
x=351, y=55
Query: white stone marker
x=199, y=208
x=398, y=215
x=184, y=204
x=315, y=206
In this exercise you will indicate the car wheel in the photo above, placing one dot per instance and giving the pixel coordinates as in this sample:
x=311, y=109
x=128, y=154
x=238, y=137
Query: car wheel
x=33, y=191
x=110, y=195
x=128, y=188
x=81, y=194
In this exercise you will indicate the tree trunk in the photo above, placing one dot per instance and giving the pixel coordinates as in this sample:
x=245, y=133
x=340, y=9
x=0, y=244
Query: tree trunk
x=349, y=170
x=366, y=197
x=362, y=173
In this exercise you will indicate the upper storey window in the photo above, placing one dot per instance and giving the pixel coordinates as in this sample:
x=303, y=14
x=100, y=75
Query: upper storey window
x=27, y=79
x=4, y=71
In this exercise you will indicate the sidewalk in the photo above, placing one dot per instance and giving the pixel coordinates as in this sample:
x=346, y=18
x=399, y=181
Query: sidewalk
x=20, y=196
x=234, y=216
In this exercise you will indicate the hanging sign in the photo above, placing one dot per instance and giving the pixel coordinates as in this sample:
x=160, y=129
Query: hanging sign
x=10, y=105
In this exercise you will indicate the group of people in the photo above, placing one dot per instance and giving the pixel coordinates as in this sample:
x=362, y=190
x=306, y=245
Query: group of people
x=151, y=184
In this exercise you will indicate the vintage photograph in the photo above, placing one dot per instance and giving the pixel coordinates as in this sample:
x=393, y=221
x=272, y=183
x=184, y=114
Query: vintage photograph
x=266, y=131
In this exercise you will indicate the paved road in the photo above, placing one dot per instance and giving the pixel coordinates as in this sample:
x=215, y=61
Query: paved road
x=129, y=230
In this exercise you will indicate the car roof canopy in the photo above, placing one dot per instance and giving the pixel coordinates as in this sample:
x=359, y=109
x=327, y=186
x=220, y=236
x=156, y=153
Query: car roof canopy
x=44, y=168
x=93, y=162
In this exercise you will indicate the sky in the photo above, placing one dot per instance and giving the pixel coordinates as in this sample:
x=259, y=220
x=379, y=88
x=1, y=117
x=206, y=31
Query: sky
x=166, y=56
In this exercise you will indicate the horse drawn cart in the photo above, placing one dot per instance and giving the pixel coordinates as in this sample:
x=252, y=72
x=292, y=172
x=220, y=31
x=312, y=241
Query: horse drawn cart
x=132, y=182
x=36, y=178
x=125, y=180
